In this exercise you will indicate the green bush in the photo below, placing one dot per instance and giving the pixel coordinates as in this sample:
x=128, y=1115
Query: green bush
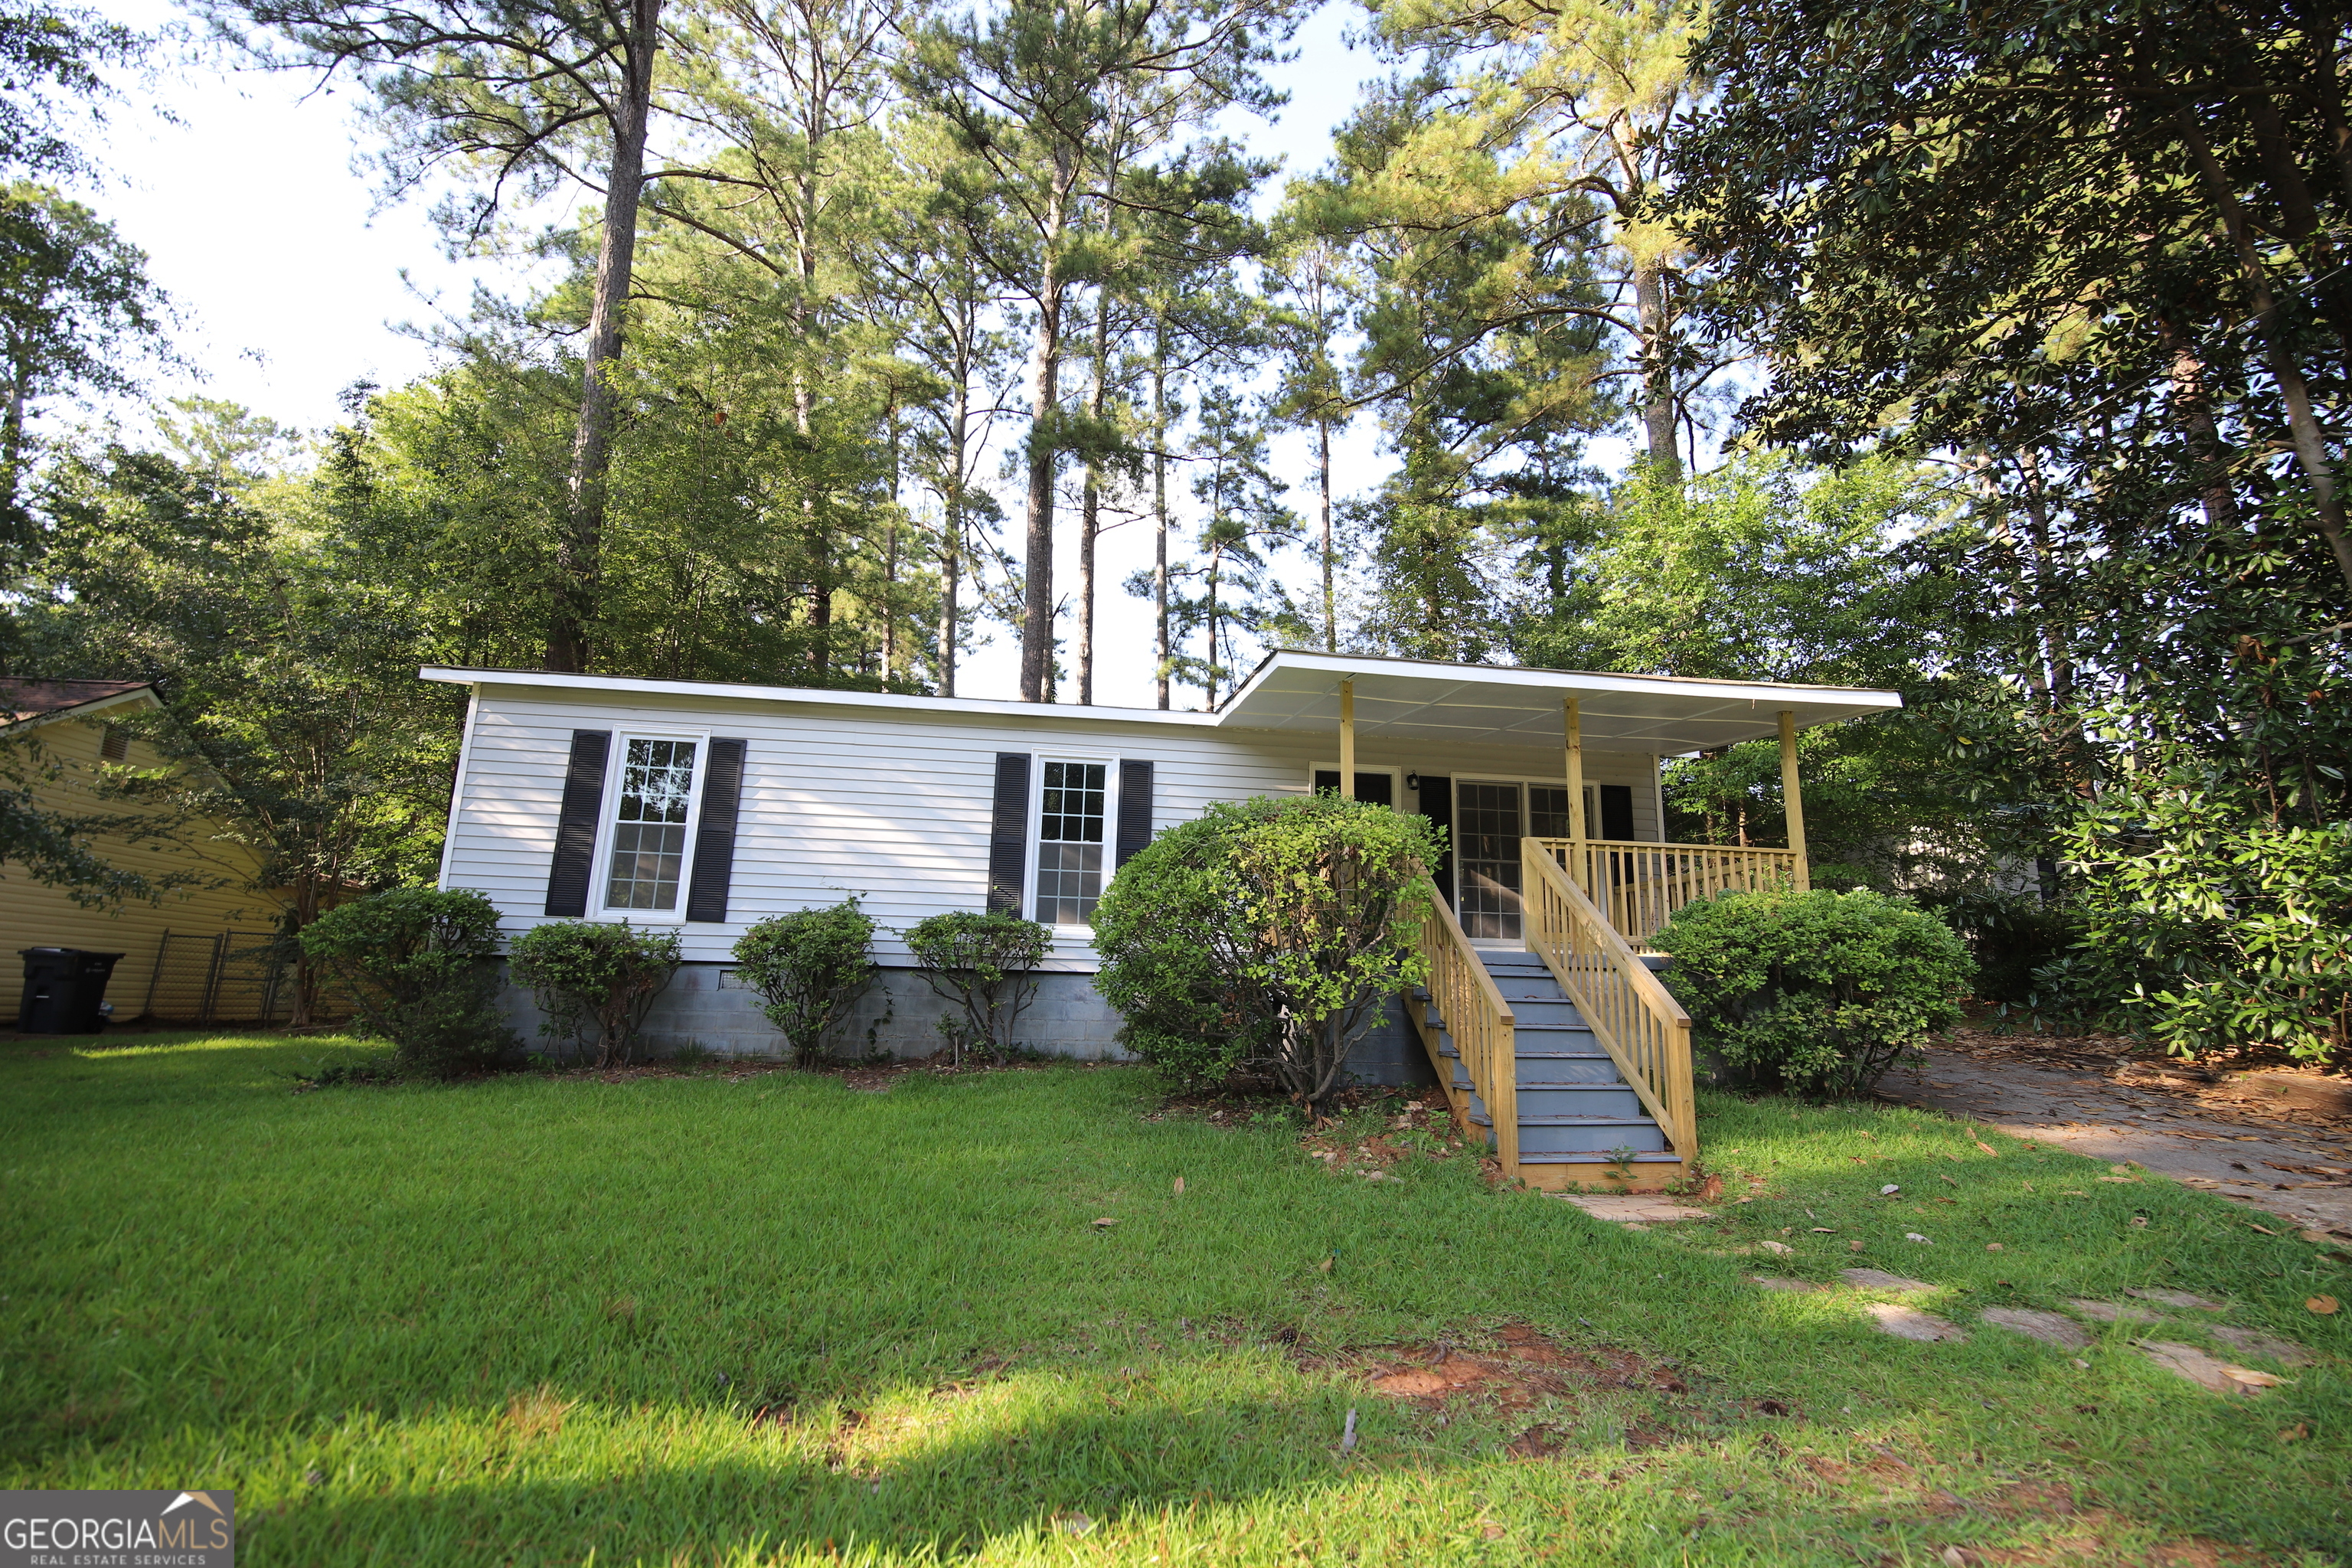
x=421, y=967
x=2209, y=918
x=987, y=966
x=809, y=968
x=595, y=982
x=2011, y=936
x=1265, y=935
x=1818, y=993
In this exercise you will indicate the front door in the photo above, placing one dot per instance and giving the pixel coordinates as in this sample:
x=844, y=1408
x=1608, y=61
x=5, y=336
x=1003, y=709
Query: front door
x=1487, y=860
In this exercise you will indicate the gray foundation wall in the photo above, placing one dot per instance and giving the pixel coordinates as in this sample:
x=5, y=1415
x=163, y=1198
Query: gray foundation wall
x=706, y=1007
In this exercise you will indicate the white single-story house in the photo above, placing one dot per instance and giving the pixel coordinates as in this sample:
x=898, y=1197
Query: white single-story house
x=705, y=805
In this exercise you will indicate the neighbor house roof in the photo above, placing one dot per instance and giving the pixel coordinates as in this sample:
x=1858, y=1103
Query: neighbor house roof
x=1401, y=699
x=25, y=704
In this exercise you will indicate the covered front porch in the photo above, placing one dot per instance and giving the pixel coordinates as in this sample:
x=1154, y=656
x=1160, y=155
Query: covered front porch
x=1570, y=866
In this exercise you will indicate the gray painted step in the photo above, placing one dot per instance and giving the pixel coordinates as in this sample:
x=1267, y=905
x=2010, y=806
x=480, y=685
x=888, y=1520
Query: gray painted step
x=1574, y=1107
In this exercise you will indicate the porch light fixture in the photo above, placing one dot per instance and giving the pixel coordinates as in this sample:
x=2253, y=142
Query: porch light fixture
x=1412, y=781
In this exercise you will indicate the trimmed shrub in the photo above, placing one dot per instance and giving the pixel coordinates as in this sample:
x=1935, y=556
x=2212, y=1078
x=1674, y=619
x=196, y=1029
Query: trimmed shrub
x=809, y=967
x=1815, y=994
x=987, y=966
x=421, y=967
x=595, y=981
x=1265, y=935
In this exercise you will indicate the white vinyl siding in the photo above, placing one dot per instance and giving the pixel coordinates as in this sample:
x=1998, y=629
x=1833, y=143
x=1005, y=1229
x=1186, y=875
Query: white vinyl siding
x=895, y=808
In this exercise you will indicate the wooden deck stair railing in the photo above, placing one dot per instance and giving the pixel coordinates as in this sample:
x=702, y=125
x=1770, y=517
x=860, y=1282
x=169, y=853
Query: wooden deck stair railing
x=1472, y=1012
x=1640, y=1024
x=1639, y=886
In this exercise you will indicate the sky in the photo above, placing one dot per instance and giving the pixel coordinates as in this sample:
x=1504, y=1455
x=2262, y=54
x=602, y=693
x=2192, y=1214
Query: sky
x=294, y=279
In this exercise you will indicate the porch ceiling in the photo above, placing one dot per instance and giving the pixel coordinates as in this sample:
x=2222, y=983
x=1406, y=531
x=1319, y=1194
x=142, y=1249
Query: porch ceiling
x=1414, y=700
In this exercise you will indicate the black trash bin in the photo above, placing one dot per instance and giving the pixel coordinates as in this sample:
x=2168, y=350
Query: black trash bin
x=64, y=988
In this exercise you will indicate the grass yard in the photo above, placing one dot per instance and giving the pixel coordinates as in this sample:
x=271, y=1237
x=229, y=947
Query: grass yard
x=766, y=1317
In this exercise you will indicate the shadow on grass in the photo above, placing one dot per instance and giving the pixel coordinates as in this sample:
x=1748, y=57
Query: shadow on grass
x=924, y=1484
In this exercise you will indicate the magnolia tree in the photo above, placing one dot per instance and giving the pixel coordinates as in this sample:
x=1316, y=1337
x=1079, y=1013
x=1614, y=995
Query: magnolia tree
x=1266, y=936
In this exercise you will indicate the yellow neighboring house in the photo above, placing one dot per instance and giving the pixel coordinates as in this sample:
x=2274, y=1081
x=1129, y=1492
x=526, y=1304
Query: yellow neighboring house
x=202, y=953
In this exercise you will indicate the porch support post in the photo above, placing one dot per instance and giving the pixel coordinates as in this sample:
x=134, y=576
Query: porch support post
x=1792, y=797
x=1571, y=716
x=1346, y=740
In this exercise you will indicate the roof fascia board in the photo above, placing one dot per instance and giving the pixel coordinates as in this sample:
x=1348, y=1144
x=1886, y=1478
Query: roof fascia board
x=145, y=696
x=1563, y=681
x=891, y=702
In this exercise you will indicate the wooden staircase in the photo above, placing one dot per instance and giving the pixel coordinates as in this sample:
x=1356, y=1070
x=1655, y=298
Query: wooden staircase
x=1570, y=1060
x=1577, y=1119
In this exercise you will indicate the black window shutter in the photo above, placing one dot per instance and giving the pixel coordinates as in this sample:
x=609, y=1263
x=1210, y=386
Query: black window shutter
x=714, y=834
x=576, y=829
x=1134, y=810
x=1617, y=812
x=1437, y=804
x=1008, y=834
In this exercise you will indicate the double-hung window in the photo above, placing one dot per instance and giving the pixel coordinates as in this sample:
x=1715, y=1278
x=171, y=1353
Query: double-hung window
x=1072, y=807
x=652, y=814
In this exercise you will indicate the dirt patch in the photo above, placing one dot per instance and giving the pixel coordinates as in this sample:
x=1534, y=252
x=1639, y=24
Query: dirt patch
x=1523, y=1370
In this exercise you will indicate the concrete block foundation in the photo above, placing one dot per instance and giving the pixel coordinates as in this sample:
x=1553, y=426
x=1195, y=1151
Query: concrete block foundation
x=706, y=1008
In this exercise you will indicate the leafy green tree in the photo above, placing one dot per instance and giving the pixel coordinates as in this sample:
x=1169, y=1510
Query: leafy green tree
x=76, y=311
x=524, y=97
x=52, y=82
x=1059, y=107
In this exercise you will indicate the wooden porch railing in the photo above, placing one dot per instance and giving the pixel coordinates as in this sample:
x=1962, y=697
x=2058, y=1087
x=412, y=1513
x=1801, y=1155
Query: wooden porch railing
x=1638, y=887
x=1643, y=1029
x=1483, y=1028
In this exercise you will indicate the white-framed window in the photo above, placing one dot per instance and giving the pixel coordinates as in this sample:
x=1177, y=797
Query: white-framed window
x=1071, y=823
x=1382, y=786
x=647, y=839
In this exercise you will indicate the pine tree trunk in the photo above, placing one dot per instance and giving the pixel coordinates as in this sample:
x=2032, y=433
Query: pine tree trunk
x=1160, y=648
x=1323, y=471
x=1044, y=447
x=579, y=552
x=1090, y=513
x=1658, y=412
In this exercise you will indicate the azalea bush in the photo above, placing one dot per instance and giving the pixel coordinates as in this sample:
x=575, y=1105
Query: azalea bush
x=1817, y=993
x=595, y=980
x=2211, y=917
x=986, y=964
x=1267, y=935
x=421, y=967
x=810, y=967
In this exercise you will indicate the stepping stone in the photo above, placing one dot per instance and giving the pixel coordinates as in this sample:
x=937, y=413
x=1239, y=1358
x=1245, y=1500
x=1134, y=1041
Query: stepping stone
x=1799, y=1286
x=2268, y=1347
x=2216, y=1377
x=1879, y=1280
x=2177, y=1298
x=1910, y=1324
x=2050, y=1328
x=2112, y=1312
x=1632, y=1209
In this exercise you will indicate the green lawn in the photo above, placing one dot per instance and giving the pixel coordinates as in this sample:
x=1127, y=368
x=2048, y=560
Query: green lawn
x=533, y=1321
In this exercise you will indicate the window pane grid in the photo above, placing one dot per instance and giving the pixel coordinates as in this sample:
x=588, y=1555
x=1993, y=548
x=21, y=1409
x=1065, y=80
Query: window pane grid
x=1070, y=820
x=1486, y=832
x=649, y=825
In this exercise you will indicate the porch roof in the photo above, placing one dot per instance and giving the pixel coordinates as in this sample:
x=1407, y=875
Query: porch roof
x=1423, y=700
